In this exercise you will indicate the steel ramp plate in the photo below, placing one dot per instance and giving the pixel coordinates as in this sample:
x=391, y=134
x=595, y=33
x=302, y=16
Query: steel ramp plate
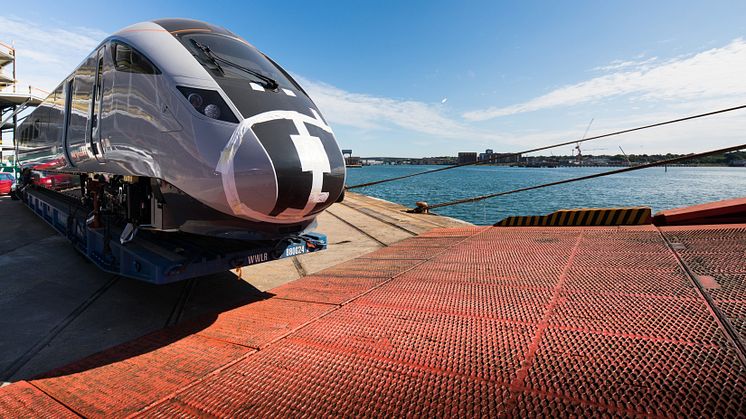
x=505, y=321
x=21, y=399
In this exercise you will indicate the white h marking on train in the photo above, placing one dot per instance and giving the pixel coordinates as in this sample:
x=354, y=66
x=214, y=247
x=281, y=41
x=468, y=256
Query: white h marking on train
x=310, y=151
x=313, y=159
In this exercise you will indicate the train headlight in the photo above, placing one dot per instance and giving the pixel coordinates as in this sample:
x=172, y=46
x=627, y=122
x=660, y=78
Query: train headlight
x=196, y=100
x=208, y=103
x=212, y=111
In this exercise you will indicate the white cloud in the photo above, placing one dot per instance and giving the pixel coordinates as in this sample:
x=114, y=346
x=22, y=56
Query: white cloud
x=713, y=132
x=374, y=112
x=383, y=125
x=715, y=73
x=620, y=64
x=46, y=54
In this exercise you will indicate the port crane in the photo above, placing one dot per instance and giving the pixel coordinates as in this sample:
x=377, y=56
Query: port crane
x=629, y=163
x=576, y=150
x=578, y=153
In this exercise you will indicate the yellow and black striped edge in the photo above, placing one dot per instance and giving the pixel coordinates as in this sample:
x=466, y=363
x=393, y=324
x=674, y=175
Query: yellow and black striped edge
x=583, y=217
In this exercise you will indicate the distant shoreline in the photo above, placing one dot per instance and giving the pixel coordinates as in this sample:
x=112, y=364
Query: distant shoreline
x=530, y=166
x=733, y=159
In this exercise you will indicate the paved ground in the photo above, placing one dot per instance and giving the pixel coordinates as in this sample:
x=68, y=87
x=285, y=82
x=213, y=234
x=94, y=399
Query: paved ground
x=56, y=307
x=470, y=321
x=357, y=226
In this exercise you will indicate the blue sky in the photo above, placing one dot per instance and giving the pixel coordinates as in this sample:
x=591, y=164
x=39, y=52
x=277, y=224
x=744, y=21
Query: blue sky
x=434, y=77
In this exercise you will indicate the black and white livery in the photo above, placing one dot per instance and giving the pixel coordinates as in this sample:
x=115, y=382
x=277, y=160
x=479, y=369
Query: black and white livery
x=177, y=124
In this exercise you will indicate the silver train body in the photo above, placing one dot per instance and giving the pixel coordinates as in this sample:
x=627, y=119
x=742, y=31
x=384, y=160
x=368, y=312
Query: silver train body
x=177, y=124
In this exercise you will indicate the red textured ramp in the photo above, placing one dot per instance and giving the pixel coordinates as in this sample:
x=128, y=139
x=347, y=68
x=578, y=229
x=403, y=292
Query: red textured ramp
x=539, y=326
x=678, y=320
x=421, y=339
x=515, y=322
x=126, y=378
x=717, y=255
x=653, y=282
x=258, y=324
x=369, y=268
x=634, y=376
x=327, y=289
x=517, y=304
x=21, y=399
x=296, y=380
x=727, y=211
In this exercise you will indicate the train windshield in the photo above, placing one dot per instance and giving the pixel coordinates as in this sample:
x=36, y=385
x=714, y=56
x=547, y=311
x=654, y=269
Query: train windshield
x=226, y=57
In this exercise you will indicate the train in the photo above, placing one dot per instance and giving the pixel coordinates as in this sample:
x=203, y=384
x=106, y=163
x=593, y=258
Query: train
x=181, y=125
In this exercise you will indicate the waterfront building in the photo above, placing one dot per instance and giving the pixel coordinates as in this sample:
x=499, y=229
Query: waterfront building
x=486, y=155
x=467, y=157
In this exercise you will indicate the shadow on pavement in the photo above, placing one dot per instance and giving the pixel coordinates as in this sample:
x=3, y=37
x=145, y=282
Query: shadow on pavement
x=56, y=307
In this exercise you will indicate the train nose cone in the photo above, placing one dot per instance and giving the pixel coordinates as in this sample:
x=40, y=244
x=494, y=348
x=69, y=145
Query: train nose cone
x=307, y=167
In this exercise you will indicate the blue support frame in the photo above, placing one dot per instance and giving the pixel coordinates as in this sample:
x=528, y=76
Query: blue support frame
x=162, y=257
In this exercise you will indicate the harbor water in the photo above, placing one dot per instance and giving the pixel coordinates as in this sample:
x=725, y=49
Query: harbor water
x=657, y=188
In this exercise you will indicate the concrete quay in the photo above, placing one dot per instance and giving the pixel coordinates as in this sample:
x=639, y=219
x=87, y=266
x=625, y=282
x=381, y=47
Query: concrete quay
x=56, y=307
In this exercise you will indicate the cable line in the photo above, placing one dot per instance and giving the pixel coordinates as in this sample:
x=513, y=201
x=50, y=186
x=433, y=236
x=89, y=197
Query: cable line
x=492, y=159
x=424, y=207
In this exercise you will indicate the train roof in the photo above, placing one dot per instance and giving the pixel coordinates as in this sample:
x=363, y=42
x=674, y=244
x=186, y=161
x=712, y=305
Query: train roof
x=187, y=25
x=173, y=26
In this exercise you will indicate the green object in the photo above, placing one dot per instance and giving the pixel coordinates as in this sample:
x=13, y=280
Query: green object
x=15, y=170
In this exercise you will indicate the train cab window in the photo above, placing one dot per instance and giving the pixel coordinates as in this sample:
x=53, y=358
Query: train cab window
x=30, y=132
x=129, y=60
x=35, y=129
x=226, y=57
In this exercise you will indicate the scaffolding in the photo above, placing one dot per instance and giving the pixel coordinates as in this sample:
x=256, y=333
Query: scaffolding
x=12, y=103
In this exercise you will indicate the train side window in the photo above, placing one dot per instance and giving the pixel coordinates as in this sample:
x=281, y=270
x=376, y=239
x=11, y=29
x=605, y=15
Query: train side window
x=35, y=129
x=129, y=60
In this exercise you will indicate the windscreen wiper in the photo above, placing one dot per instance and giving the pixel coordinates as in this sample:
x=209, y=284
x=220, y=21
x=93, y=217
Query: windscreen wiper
x=208, y=53
x=269, y=82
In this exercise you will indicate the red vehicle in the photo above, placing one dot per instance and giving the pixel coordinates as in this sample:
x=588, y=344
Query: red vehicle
x=54, y=181
x=6, y=182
